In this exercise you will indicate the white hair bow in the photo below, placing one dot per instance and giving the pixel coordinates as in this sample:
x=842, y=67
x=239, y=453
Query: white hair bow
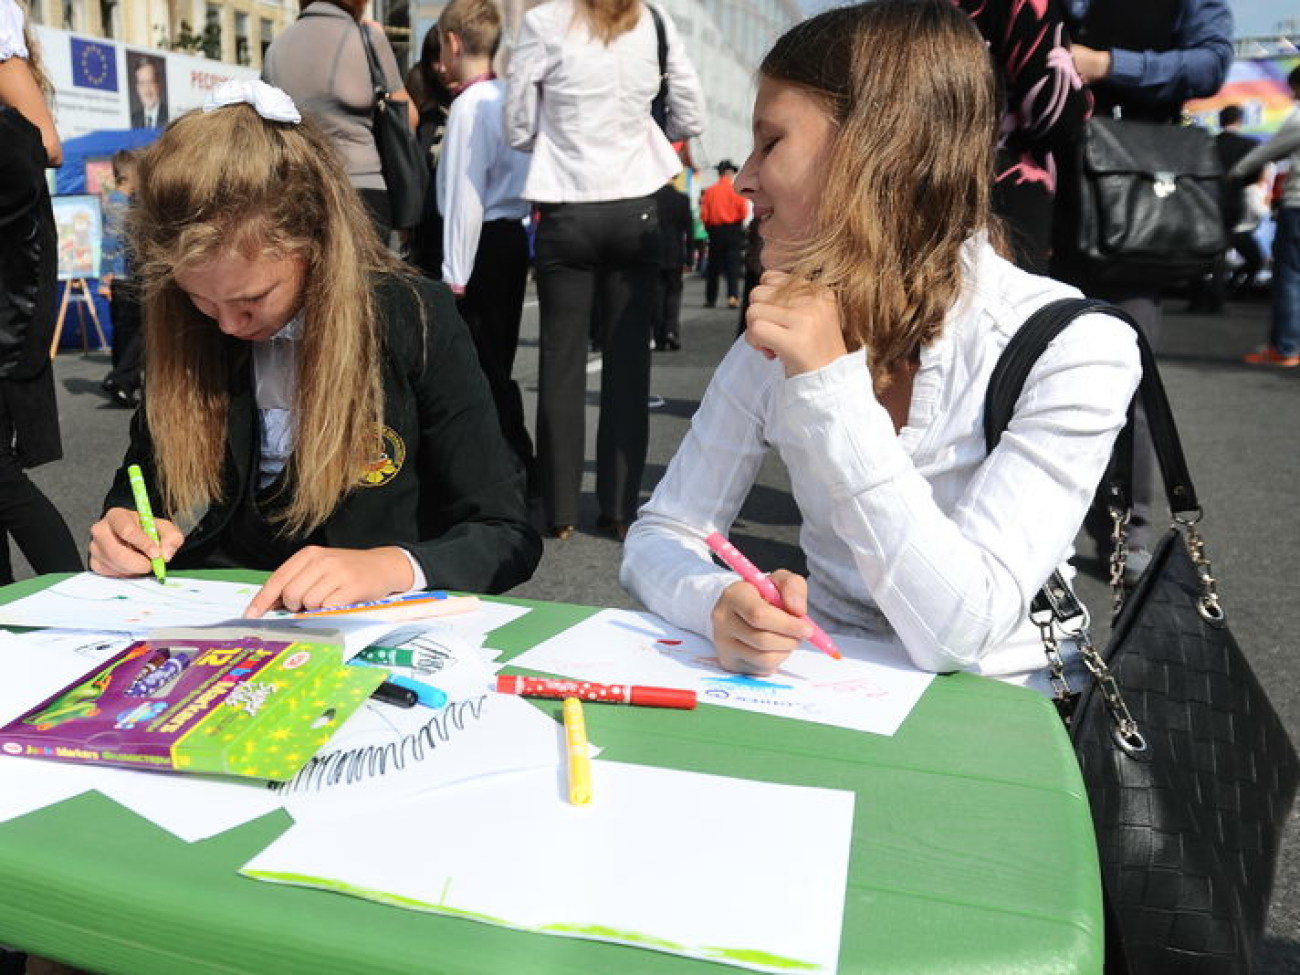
x=271, y=103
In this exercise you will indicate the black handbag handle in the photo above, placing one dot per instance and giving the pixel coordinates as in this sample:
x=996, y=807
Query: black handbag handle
x=1024, y=349
x=659, y=106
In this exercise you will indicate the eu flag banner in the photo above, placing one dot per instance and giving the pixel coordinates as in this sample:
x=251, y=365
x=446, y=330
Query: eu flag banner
x=94, y=65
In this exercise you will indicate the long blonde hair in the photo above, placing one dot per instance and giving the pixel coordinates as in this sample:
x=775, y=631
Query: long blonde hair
x=909, y=175
x=228, y=182
x=608, y=19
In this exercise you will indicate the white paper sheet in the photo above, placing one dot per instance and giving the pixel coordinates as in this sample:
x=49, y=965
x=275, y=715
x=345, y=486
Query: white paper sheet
x=745, y=873
x=96, y=603
x=872, y=689
x=384, y=755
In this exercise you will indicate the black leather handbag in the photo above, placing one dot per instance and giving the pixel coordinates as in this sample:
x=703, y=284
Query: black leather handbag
x=1189, y=770
x=1145, y=206
x=406, y=172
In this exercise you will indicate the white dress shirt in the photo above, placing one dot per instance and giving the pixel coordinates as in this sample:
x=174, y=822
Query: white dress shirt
x=275, y=381
x=583, y=107
x=12, y=42
x=917, y=532
x=480, y=178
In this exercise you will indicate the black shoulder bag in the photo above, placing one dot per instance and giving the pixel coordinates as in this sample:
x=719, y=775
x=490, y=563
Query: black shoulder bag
x=406, y=174
x=1189, y=770
x=659, y=107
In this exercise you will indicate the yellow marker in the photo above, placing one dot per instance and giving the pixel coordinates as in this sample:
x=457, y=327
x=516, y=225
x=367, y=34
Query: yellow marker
x=575, y=737
x=143, y=509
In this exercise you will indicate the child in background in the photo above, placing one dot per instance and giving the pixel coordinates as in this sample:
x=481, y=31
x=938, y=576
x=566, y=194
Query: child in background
x=312, y=407
x=882, y=310
x=480, y=184
x=123, y=381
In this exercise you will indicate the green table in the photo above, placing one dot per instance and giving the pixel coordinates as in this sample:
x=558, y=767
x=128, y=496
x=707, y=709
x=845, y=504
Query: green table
x=972, y=852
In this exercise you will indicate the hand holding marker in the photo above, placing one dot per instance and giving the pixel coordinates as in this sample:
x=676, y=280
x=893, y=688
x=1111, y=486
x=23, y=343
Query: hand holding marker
x=766, y=588
x=145, y=513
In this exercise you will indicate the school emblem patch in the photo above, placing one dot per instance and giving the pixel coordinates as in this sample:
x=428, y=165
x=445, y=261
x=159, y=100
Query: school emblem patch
x=389, y=457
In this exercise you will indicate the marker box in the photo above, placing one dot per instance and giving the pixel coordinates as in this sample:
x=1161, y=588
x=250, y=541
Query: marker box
x=209, y=700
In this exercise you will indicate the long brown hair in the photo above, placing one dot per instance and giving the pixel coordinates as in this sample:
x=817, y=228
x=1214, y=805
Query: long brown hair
x=608, y=19
x=910, y=171
x=228, y=182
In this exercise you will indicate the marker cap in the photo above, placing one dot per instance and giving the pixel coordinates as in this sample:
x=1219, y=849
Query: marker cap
x=663, y=697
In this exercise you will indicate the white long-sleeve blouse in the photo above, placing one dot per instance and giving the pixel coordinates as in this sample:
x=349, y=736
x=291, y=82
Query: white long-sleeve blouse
x=583, y=107
x=917, y=532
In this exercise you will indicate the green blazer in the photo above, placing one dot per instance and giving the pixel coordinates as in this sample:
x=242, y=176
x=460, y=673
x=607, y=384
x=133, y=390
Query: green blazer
x=446, y=487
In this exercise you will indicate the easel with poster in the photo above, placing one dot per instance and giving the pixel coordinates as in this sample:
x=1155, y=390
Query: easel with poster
x=79, y=221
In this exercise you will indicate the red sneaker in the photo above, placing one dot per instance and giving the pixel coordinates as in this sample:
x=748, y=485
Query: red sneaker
x=1270, y=356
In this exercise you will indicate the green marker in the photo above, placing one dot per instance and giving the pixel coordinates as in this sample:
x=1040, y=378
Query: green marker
x=145, y=512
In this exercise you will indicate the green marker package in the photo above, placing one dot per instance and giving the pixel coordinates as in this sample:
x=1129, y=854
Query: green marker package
x=217, y=700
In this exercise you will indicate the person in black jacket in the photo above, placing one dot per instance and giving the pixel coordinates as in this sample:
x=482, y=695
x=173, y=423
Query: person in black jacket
x=1142, y=61
x=674, y=238
x=310, y=407
x=29, y=414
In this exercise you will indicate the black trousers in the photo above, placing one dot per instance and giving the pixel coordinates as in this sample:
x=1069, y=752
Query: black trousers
x=726, y=248
x=668, y=309
x=25, y=512
x=585, y=249
x=128, y=339
x=492, y=307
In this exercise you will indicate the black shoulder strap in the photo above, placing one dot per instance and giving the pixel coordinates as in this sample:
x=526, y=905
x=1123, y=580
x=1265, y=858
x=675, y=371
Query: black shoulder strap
x=1018, y=358
x=377, y=79
x=661, y=40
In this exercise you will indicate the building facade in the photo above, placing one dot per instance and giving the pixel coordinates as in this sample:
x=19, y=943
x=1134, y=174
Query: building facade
x=234, y=31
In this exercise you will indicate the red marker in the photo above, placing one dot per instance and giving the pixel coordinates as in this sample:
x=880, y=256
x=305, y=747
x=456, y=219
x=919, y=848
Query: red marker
x=585, y=690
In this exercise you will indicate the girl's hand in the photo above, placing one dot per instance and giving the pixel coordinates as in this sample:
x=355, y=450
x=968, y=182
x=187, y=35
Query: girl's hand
x=750, y=635
x=119, y=547
x=316, y=577
x=800, y=327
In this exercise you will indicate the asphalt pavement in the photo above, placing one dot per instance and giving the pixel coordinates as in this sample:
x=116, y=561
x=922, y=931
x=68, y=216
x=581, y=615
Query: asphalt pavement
x=1238, y=425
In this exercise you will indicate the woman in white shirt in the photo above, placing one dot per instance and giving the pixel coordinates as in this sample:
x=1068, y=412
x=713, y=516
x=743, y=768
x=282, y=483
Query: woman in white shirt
x=869, y=343
x=581, y=82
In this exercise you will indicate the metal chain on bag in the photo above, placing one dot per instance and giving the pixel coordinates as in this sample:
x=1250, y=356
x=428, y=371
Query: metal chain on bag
x=1057, y=613
x=1208, y=605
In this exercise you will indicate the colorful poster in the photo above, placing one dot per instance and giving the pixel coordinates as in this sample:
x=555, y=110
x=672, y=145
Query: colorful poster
x=100, y=84
x=1259, y=87
x=79, y=221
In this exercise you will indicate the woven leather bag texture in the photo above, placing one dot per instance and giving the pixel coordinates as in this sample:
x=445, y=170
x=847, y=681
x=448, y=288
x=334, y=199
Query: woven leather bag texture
x=1188, y=830
x=1148, y=207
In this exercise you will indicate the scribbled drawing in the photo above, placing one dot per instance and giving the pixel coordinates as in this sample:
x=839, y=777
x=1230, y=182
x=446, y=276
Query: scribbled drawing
x=750, y=683
x=858, y=687
x=350, y=766
x=677, y=650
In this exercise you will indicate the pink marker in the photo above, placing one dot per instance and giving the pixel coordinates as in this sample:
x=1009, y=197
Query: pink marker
x=737, y=562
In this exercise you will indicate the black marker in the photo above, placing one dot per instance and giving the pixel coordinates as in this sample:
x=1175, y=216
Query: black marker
x=391, y=693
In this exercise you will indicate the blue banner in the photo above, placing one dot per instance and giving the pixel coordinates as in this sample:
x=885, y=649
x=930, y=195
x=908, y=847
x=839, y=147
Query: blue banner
x=94, y=65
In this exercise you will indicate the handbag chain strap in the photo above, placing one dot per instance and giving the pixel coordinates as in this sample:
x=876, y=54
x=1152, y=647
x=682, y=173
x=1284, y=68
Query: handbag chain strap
x=1055, y=610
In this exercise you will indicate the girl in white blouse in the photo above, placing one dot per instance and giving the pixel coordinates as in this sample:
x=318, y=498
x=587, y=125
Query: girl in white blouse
x=869, y=342
x=582, y=79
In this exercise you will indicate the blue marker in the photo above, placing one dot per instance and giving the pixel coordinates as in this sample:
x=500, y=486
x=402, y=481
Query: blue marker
x=426, y=694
